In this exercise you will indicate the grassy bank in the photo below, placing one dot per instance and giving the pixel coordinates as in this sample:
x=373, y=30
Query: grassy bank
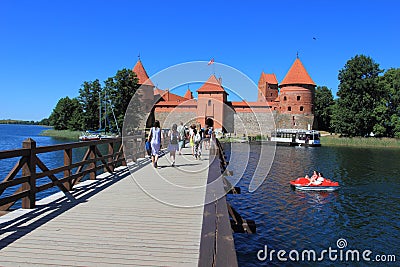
x=65, y=134
x=334, y=140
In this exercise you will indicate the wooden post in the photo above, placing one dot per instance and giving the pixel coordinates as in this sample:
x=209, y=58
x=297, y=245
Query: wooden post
x=68, y=162
x=29, y=169
x=111, y=152
x=93, y=164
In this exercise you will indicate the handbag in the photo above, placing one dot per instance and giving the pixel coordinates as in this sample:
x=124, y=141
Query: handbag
x=147, y=146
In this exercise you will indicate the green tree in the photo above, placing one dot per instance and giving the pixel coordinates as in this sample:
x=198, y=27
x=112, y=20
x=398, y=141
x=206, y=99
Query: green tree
x=44, y=121
x=120, y=90
x=323, y=107
x=359, y=94
x=66, y=115
x=388, y=111
x=89, y=98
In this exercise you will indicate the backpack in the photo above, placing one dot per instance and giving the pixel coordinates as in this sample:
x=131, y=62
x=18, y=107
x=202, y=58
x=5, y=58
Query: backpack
x=174, y=138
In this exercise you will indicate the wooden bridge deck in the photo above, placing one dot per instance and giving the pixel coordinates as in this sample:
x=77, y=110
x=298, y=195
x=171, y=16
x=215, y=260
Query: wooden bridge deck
x=112, y=221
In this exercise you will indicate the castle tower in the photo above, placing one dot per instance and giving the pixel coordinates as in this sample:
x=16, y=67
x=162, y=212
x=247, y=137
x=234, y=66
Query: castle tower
x=188, y=94
x=145, y=92
x=267, y=87
x=211, y=102
x=297, y=91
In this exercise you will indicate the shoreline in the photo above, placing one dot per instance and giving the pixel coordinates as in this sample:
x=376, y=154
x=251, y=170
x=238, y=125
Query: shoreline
x=335, y=141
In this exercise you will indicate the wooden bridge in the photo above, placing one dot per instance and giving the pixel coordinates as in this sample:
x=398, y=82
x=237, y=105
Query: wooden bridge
x=130, y=215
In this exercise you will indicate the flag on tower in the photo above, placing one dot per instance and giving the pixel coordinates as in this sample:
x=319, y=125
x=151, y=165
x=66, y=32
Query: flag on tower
x=211, y=61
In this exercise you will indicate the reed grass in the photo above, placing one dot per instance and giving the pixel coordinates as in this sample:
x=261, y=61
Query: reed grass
x=62, y=134
x=334, y=140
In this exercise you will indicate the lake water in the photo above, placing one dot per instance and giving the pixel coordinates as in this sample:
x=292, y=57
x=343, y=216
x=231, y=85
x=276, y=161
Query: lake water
x=363, y=215
x=364, y=212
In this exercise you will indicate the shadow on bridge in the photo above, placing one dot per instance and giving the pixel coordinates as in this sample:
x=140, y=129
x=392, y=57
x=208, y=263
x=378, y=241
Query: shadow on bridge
x=21, y=222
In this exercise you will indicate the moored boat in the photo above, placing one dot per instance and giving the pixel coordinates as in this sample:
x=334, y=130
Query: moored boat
x=303, y=183
x=96, y=135
x=89, y=136
x=296, y=137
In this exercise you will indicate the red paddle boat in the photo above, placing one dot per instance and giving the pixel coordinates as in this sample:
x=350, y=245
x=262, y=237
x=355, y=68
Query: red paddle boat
x=303, y=183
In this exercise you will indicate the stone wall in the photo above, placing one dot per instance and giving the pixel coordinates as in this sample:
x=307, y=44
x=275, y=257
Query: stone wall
x=167, y=119
x=289, y=121
x=253, y=123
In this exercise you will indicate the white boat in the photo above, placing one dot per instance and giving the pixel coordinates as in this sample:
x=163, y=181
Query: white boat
x=296, y=137
x=96, y=135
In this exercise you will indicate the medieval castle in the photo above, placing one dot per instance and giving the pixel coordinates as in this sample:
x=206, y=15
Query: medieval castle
x=289, y=104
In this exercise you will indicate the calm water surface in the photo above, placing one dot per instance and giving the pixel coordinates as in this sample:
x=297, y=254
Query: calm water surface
x=364, y=212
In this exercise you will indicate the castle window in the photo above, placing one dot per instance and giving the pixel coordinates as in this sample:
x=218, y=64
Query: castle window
x=301, y=108
x=284, y=98
x=289, y=109
x=209, y=102
x=298, y=98
x=271, y=94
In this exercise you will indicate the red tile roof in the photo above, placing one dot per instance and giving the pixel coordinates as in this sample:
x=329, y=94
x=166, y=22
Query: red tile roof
x=297, y=74
x=166, y=95
x=173, y=103
x=188, y=94
x=269, y=78
x=211, y=85
x=141, y=74
x=250, y=104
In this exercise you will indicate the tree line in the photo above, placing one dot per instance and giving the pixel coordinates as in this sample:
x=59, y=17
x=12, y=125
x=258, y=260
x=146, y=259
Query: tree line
x=10, y=121
x=88, y=111
x=368, y=101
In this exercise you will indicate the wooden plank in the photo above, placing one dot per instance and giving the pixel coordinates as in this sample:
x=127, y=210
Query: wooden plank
x=52, y=148
x=217, y=245
x=5, y=185
x=14, y=171
x=5, y=154
x=20, y=193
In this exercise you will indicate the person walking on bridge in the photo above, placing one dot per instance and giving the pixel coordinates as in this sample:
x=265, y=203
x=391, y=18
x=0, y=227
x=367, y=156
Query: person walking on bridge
x=173, y=137
x=182, y=137
x=155, y=142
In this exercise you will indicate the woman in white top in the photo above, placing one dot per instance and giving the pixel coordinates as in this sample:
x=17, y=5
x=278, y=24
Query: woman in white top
x=155, y=142
x=173, y=145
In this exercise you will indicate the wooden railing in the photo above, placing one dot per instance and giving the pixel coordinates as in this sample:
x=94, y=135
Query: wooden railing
x=25, y=179
x=217, y=246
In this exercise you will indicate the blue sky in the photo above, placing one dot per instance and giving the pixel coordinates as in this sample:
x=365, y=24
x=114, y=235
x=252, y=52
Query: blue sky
x=49, y=48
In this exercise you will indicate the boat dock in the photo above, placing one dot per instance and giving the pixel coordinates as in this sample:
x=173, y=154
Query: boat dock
x=131, y=216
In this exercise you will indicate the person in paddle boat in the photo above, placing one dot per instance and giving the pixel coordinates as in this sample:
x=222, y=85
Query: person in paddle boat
x=314, y=178
x=318, y=180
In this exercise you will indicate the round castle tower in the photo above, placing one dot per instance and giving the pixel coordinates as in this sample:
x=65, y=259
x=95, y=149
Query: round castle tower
x=297, y=91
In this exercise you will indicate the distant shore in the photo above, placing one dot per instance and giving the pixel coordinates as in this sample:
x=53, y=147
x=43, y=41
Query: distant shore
x=9, y=121
x=65, y=134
